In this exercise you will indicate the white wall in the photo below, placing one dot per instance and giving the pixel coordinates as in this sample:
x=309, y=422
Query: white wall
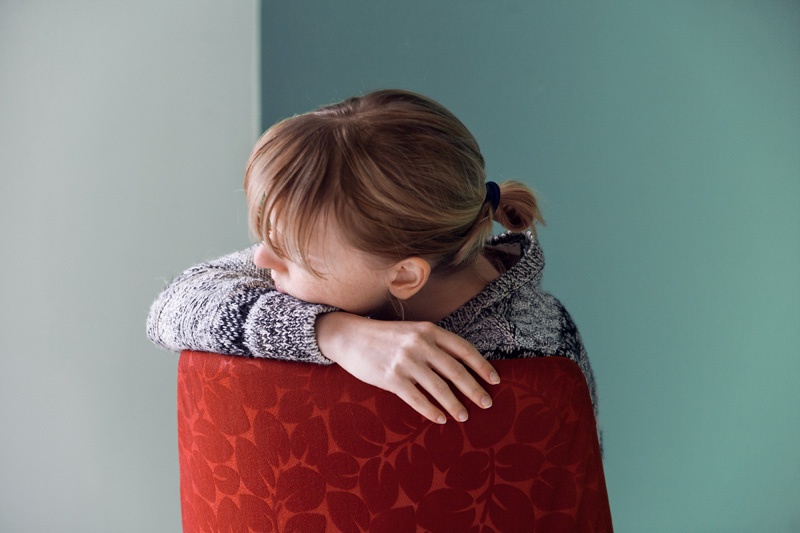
x=124, y=130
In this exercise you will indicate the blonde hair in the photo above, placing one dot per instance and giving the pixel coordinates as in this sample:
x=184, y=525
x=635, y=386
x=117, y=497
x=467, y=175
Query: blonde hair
x=400, y=174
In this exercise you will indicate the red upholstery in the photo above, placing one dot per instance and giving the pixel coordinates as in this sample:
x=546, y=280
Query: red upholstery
x=276, y=446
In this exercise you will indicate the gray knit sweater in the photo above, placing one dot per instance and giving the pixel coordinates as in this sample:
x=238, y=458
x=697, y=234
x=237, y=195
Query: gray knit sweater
x=230, y=306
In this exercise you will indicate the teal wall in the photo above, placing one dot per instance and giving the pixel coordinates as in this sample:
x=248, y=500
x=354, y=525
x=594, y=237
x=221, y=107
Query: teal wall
x=664, y=139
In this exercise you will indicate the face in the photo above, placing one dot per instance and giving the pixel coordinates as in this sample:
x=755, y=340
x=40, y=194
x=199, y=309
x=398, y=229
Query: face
x=348, y=278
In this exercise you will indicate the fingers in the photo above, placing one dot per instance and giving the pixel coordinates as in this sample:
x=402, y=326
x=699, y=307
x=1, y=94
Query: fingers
x=439, y=363
x=413, y=397
x=450, y=366
x=440, y=390
x=458, y=375
x=464, y=351
x=428, y=379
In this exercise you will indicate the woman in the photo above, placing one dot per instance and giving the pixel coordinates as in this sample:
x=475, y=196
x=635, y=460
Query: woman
x=374, y=220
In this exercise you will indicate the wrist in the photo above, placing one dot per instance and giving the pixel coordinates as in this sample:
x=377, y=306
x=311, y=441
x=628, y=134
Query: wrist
x=331, y=330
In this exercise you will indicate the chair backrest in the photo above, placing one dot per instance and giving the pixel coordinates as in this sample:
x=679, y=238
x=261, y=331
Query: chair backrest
x=269, y=445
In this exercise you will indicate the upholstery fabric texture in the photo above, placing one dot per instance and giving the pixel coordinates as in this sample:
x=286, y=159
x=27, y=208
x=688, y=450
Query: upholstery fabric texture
x=270, y=445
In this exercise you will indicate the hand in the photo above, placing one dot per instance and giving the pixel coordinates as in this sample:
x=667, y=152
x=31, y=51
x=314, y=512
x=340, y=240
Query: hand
x=399, y=356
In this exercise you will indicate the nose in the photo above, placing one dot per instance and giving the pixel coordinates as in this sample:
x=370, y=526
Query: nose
x=264, y=257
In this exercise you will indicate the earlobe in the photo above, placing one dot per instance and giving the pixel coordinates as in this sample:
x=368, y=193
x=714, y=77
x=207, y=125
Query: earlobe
x=407, y=277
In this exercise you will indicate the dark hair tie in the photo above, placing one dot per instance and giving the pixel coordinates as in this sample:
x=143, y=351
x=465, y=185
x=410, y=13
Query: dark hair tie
x=493, y=194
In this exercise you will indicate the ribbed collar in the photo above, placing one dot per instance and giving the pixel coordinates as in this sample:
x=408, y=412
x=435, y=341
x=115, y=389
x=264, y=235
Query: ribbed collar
x=528, y=269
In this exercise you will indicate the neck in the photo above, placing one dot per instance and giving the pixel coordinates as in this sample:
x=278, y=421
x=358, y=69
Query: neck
x=440, y=297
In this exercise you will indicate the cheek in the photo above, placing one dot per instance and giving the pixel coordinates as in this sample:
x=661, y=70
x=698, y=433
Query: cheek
x=357, y=289
x=365, y=292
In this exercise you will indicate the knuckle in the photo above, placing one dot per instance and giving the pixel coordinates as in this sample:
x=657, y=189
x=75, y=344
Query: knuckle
x=411, y=341
x=456, y=369
x=397, y=365
x=477, y=391
x=421, y=404
x=424, y=329
x=404, y=360
x=440, y=388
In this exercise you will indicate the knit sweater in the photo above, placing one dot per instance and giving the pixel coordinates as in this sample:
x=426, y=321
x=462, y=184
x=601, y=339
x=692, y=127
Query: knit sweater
x=230, y=306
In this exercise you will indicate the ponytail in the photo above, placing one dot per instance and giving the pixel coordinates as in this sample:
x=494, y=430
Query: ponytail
x=518, y=209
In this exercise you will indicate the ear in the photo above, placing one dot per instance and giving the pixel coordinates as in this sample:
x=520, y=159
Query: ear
x=408, y=276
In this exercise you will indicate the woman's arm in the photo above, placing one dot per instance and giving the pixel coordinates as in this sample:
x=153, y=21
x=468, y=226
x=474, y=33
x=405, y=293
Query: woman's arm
x=405, y=357
x=229, y=306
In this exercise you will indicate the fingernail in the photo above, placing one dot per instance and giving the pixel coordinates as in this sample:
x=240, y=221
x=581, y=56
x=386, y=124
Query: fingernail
x=441, y=419
x=462, y=416
x=494, y=377
x=486, y=401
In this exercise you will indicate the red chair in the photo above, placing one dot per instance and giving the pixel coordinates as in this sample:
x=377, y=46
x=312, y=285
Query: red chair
x=271, y=445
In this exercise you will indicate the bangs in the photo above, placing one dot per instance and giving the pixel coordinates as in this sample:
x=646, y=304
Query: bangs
x=292, y=184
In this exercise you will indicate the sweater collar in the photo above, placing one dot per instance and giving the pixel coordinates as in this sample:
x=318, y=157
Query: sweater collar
x=528, y=269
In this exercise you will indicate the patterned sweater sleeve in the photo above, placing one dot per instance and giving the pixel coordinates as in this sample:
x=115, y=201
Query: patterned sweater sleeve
x=230, y=306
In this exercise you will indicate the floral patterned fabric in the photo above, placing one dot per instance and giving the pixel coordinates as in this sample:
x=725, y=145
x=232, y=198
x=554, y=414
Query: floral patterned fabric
x=269, y=445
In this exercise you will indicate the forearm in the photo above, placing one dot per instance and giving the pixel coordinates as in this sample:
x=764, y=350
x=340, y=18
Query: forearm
x=279, y=326
x=229, y=306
